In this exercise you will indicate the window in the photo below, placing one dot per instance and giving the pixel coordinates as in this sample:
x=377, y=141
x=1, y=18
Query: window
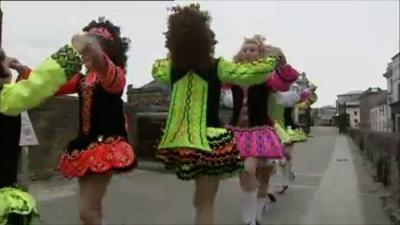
x=355, y=113
x=390, y=85
x=398, y=91
x=355, y=120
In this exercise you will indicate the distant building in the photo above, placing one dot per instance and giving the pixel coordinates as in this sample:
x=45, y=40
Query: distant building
x=153, y=96
x=351, y=100
x=374, y=110
x=325, y=115
x=392, y=75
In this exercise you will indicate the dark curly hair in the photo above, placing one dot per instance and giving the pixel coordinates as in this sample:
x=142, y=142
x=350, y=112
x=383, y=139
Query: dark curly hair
x=117, y=48
x=189, y=38
x=3, y=72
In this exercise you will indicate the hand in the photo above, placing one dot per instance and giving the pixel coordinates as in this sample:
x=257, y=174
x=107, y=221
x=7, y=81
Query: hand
x=80, y=42
x=14, y=64
x=11, y=62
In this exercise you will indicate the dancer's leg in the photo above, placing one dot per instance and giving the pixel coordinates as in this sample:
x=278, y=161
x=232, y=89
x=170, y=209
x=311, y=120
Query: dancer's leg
x=204, y=196
x=248, y=183
x=92, y=188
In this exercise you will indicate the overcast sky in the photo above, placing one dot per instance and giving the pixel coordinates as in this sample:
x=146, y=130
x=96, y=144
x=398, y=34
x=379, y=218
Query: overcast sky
x=341, y=45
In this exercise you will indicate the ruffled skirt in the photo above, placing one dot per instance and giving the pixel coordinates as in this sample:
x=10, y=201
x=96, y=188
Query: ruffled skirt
x=297, y=135
x=187, y=163
x=258, y=142
x=111, y=154
x=17, y=207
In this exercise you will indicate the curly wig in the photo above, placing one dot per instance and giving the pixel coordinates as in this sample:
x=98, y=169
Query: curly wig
x=117, y=48
x=3, y=71
x=258, y=40
x=275, y=52
x=189, y=38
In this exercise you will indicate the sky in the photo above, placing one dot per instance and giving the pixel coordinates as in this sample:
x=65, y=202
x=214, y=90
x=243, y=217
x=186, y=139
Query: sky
x=341, y=45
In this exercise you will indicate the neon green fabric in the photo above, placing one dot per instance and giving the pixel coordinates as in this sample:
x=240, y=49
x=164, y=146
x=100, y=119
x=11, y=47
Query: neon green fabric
x=245, y=73
x=42, y=83
x=186, y=122
x=215, y=131
x=16, y=201
x=313, y=98
x=275, y=110
x=161, y=70
x=296, y=135
x=283, y=135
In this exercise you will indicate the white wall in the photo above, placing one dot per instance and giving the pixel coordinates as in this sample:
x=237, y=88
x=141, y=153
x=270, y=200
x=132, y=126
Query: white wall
x=380, y=118
x=395, y=79
x=354, y=114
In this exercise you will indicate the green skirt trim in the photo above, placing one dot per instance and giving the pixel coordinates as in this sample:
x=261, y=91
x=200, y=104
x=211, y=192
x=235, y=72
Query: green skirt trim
x=17, y=207
x=224, y=160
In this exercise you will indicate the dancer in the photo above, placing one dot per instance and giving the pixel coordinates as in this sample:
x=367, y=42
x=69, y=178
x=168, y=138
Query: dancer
x=193, y=146
x=101, y=147
x=256, y=137
x=17, y=206
x=282, y=103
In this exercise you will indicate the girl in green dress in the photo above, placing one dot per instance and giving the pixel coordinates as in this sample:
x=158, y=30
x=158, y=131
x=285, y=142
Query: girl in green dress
x=194, y=146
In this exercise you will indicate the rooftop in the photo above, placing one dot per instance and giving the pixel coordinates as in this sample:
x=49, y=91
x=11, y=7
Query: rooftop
x=397, y=55
x=373, y=91
x=153, y=85
x=355, y=92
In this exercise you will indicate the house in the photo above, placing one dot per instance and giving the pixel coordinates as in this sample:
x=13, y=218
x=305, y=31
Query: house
x=374, y=110
x=325, y=115
x=153, y=96
x=352, y=106
x=392, y=75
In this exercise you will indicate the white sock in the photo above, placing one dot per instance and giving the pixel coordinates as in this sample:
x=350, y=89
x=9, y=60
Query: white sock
x=291, y=179
x=271, y=188
x=261, y=203
x=285, y=175
x=249, y=207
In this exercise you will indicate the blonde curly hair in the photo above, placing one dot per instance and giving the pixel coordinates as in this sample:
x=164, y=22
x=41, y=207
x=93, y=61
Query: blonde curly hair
x=258, y=40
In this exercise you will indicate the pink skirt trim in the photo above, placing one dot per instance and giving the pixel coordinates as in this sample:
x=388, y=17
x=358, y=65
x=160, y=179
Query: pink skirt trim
x=259, y=142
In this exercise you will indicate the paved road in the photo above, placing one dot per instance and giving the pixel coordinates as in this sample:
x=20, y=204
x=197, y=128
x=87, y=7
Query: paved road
x=332, y=187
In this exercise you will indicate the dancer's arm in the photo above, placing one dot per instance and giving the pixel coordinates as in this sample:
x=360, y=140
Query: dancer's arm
x=282, y=77
x=161, y=70
x=71, y=87
x=22, y=70
x=112, y=77
x=245, y=73
x=42, y=83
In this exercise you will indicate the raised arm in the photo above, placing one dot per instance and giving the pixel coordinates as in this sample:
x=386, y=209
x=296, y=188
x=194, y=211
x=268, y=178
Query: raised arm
x=112, y=78
x=71, y=87
x=161, y=70
x=245, y=73
x=42, y=82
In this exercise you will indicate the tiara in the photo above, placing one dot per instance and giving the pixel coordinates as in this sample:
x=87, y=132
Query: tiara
x=101, y=31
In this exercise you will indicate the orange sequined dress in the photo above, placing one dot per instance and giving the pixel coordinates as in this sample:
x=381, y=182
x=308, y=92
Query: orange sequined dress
x=101, y=144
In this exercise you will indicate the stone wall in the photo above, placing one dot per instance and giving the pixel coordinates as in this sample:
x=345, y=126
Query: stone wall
x=383, y=151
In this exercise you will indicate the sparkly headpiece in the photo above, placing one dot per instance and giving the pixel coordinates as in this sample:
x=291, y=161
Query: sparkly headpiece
x=101, y=31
